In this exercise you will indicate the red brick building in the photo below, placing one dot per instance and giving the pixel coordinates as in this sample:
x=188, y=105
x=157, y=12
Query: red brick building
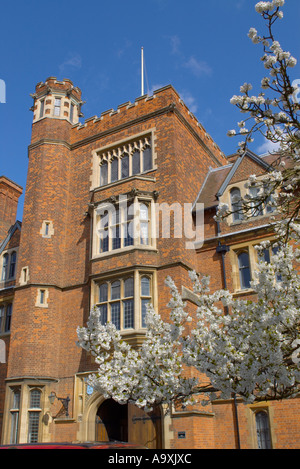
x=155, y=156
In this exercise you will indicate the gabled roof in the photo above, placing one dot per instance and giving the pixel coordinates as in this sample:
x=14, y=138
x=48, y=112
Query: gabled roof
x=237, y=163
x=217, y=179
x=11, y=231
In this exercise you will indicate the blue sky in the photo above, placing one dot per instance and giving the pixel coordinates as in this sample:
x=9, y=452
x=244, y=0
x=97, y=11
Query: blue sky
x=199, y=47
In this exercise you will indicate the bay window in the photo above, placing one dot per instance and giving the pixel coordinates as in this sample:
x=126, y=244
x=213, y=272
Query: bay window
x=129, y=223
x=123, y=301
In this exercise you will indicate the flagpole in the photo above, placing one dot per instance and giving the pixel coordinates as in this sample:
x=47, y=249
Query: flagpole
x=142, y=74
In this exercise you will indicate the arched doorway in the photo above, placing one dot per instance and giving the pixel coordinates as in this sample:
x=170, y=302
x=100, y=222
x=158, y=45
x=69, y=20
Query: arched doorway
x=128, y=423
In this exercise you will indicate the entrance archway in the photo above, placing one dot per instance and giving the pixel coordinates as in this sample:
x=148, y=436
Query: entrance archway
x=128, y=423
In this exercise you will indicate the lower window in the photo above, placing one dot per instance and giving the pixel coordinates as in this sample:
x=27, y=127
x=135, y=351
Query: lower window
x=263, y=430
x=123, y=301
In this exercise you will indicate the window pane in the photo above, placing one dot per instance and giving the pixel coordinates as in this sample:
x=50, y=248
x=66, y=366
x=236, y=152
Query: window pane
x=115, y=314
x=103, y=292
x=57, y=107
x=114, y=170
x=143, y=212
x=257, y=206
x=4, y=267
x=1, y=317
x=144, y=304
x=125, y=166
x=33, y=427
x=42, y=107
x=147, y=159
x=16, y=400
x=14, y=427
x=115, y=290
x=103, y=314
x=145, y=286
x=116, y=240
x=144, y=233
x=128, y=239
x=104, y=173
x=104, y=241
x=236, y=204
x=128, y=312
x=128, y=287
x=8, y=318
x=263, y=430
x=244, y=268
x=136, y=166
x=35, y=399
x=115, y=217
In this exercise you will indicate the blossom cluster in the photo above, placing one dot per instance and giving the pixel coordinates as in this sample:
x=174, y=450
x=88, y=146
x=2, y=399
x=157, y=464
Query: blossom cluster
x=246, y=352
x=272, y=117
x=273, y=114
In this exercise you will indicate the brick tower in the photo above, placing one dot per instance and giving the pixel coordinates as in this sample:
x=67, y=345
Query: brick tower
x=38, y=308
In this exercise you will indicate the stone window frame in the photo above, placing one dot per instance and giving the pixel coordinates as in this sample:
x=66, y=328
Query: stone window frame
x=118, y=150
x=24, y=276
x=8, y=254
x=135, y=198
x=42, y=297
x=244, y=190
x=137, y=274
x=25, y=386
x=34, y=410
x=252, y=410
x=6, y=309
x=235, y=250
x=47, y=229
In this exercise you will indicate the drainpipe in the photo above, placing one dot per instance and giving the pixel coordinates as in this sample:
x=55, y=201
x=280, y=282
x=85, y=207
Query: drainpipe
x=237, y=422
x=223, y=249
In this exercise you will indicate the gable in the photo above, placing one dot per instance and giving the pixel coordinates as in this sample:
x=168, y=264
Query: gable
x=12, y=239
x=245, y=165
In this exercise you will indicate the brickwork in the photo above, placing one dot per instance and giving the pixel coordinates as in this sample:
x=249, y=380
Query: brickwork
x=57, y=252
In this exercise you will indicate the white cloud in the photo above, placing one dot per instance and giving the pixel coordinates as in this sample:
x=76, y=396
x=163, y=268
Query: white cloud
x=267, y=147
x=175, y=44
x=198, y=67
x=72, y=62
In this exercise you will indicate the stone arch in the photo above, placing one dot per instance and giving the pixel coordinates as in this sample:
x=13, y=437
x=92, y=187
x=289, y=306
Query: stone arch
x=87, y=429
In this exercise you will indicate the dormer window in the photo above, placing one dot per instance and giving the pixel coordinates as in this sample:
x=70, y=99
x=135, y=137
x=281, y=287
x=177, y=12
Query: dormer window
x=9, y=262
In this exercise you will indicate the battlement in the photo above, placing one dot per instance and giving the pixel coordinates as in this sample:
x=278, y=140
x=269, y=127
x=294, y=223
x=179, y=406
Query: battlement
x=163, y=100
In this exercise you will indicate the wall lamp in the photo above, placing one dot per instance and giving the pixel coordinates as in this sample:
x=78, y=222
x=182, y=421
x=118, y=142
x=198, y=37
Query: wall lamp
x=64, y=400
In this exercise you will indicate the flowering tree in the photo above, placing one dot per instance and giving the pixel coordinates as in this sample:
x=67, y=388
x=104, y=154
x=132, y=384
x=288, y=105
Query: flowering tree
x=274, y=114
x=253, y=350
